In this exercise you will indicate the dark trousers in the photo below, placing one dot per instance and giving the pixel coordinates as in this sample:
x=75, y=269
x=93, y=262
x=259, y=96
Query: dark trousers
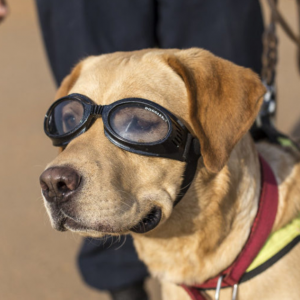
x=75, y=29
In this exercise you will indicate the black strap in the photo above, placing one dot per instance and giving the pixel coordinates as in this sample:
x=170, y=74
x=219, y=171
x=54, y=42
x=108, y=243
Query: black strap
x=267, y=131
x=192, y=153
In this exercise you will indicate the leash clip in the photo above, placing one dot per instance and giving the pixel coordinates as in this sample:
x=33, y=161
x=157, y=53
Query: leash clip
x=234, y=291
x=218, y=289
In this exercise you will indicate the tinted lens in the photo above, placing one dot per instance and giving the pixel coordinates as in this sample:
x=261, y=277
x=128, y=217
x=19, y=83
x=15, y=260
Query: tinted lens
x=139, y=124
x=65, y=117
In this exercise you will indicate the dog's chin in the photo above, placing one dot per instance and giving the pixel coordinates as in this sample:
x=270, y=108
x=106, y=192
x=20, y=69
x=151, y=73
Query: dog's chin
x=147, y=223
x=98, y=230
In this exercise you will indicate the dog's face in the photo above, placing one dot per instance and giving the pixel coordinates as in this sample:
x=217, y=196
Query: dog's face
x=94, y=187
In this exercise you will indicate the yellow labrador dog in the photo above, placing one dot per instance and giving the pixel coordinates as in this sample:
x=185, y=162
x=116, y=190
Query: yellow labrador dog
x=130, y=125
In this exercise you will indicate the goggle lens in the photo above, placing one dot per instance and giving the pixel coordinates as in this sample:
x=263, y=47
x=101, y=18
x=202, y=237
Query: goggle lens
x=65, y=117
x=138, y=124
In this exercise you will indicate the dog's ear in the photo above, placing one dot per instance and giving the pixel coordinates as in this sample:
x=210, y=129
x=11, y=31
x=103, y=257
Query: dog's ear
x=224, y=100
x=68, y=82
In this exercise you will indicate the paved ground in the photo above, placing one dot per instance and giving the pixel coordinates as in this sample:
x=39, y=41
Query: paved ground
x=37, y=262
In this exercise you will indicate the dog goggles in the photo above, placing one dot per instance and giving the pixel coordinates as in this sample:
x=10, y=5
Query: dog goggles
x=135, y=125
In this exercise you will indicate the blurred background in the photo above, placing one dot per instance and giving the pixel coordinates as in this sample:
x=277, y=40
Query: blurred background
x=37, y=262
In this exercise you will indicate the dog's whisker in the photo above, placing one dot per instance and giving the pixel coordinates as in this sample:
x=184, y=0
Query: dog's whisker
x=184, y=187
x=106, y=237
x=125, y=238
x=112, y=242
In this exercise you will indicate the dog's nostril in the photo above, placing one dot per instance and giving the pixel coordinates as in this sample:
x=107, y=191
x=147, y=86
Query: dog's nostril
x=57, y=183
x=61, y=186
x=44, y=186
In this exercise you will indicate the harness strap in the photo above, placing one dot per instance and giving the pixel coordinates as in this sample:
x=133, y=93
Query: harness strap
x=260, y=231
x=270, y=262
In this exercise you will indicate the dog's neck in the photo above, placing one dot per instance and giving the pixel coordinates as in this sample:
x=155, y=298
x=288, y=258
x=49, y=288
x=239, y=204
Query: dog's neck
x=208, y=229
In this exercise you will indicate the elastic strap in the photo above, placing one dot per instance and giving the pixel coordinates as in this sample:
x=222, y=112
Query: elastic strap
x=193, y=150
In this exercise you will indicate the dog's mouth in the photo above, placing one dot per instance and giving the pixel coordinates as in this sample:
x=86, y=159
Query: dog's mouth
x=149, y=222
x=76, y=226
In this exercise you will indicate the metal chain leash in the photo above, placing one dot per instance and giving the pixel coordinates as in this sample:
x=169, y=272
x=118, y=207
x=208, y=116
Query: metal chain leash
x=270, y=41
x=264, y=125
x=270, y=52
x=269, y=63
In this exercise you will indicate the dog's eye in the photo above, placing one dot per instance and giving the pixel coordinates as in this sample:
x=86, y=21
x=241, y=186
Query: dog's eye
x=140, y=125
x=137, y=124
x=69, y=122
x=72, y=115
x=65, y=116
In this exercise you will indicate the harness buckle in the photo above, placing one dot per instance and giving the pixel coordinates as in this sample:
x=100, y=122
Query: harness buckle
x=218, y=289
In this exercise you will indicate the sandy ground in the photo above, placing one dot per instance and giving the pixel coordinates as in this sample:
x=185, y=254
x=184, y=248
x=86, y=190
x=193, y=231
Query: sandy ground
x=37, y=262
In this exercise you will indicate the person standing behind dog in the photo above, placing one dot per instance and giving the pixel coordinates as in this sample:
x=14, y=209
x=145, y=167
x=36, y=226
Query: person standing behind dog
x=75, y=29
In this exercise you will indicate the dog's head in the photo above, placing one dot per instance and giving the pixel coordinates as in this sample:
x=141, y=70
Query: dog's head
x=94, y=187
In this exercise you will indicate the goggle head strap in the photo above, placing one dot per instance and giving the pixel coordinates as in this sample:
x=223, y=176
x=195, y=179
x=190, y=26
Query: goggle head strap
x=192, y=153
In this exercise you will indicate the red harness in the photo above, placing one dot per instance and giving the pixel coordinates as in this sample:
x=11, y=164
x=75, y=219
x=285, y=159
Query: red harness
x=260, y=231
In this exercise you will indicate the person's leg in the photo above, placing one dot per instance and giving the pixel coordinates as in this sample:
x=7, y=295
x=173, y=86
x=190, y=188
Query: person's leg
x=231, y=29
x=78, y=28
x=112, y=264
x=73, y=30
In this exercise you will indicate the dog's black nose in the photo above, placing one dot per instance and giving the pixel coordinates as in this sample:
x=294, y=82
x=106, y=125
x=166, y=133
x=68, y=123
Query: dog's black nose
x=58, y=183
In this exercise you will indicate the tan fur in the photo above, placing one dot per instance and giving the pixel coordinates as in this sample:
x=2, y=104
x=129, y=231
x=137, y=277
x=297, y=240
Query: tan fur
x=205, y=232
x=68, y=82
